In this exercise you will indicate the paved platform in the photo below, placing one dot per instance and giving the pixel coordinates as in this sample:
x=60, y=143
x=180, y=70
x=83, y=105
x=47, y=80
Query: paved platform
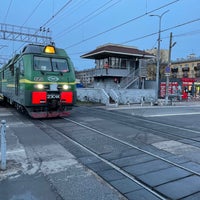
x=38, y=168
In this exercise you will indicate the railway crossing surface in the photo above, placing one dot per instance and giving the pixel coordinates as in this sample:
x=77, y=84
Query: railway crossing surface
x=39, y=168
x=44, y=163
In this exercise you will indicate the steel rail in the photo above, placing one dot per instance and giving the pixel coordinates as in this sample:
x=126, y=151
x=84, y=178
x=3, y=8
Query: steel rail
x=133, y=146
x=104, y=160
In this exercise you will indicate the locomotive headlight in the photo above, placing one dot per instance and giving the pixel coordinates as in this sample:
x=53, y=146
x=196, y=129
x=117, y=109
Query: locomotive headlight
x=66, y=87
x=39, y=86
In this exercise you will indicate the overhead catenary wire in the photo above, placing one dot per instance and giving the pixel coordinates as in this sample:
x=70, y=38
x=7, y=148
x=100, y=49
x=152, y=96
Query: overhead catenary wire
x=33, y=13
x=164, y=30
x=53, y=16
x=87, y=18
x=155, y=33
x=37, y=6
x=56, y=16
x=187, y=33
x=34, y=10
x=122, y=24
x=8, y=11
x=74, y=7
x=41, y=28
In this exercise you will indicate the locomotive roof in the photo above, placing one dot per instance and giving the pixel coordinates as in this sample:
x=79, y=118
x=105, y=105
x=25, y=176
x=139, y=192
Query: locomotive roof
x=31, y=48
x=38, y=49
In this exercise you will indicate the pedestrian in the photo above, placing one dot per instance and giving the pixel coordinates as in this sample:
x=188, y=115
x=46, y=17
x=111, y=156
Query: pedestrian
x=106, y=66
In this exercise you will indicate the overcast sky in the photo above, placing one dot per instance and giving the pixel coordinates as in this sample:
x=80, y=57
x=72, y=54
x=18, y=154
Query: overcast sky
x=79, y=26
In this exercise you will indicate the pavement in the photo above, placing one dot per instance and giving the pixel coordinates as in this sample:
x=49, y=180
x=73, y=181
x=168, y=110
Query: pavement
x=161, y=104
x=39, y=168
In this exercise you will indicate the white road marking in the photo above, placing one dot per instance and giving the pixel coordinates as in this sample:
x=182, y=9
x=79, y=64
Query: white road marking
x=171, y=114
x=5, y=114
x=175, y=147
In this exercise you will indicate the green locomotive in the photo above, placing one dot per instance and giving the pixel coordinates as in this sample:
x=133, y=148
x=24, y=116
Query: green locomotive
x=39, y=80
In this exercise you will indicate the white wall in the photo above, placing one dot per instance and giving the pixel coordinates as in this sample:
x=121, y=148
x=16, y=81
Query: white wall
x=125, y=96
x=92, y=95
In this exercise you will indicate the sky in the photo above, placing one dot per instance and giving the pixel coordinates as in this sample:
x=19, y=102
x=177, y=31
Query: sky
x=80, y=26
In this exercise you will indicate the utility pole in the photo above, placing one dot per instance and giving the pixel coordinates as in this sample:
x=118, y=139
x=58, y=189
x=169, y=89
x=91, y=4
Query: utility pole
x=168, y=69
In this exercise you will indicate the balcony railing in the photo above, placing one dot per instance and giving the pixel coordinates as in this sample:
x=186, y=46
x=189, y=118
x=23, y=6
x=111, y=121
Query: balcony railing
x=110, y=72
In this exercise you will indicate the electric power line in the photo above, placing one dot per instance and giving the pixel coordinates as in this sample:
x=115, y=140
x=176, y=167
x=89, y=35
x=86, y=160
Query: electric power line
x=151, y=34
x=120, y=25
x=43, y=29
x=32, y=12
x=188, y=33
x=87, y=18
x=29, y=18
x=164, y=30
x=76, y=6
x=56, y=13
x=8, y=11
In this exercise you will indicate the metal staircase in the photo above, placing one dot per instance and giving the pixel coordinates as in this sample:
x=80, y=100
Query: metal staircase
x=134, y=75
x=129, y=79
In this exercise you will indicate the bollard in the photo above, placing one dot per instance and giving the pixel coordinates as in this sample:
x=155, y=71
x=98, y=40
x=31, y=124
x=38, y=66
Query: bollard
x=3, y=144
x=141, y=101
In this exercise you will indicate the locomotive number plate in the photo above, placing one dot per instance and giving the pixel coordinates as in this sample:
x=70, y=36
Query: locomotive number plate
x=53, y=96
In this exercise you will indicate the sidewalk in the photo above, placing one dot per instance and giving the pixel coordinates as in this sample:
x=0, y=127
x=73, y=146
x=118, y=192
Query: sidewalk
x=149, y=105
x=38, y=168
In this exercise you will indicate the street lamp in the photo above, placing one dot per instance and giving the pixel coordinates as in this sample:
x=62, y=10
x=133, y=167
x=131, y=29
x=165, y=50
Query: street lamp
x=158, y=54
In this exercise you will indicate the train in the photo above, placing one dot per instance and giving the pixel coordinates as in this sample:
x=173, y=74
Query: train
x=40, y=81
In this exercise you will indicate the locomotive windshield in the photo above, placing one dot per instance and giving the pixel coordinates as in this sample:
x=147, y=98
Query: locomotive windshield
x=59, y=65
x=50, y=64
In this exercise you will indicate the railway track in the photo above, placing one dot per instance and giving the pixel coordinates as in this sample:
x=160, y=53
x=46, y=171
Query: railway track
x=135, y=171
x=171, y=132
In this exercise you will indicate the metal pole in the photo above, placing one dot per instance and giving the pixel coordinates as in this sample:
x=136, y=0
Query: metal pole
x=168, y=74
x=3, y=145
x=167, y=88
x=158, y=55
x=158, y=62
x=169, y=69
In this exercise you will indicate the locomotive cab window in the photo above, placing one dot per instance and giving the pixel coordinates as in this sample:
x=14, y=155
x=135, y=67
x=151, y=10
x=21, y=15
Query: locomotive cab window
x=42, y=64
x=60, y=65
x=50, y=64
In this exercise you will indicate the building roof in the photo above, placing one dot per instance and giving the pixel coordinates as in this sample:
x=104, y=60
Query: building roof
x=115, y=50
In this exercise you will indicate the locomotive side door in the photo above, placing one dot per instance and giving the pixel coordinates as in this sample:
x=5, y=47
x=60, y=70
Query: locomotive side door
x=17, y=81
x=1, y=72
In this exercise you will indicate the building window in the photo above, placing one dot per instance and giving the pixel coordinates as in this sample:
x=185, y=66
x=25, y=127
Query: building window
x=197, y=74
x=185, y=74
x=123, y=63
x=186, y=69
x=197, y=68
x=174, y=70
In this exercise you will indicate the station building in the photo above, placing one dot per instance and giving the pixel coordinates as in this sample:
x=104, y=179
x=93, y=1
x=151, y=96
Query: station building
x=119, y=74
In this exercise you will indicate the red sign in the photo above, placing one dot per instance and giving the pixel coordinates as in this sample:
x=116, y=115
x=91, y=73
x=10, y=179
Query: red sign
x=172, y=89
x=188, y=79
